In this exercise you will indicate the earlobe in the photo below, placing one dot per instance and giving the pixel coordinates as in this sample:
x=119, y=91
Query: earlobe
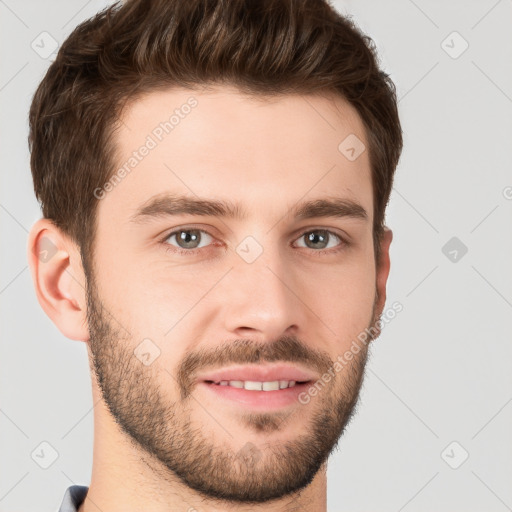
x=383, y=267
x=58, y=277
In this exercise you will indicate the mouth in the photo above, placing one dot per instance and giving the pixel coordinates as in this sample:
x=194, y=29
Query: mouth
x=260, y=387
x=258, y=377
x=262, y=396
x=251, y=385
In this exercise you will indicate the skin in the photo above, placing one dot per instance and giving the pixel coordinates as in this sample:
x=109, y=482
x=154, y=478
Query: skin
x=268, y=155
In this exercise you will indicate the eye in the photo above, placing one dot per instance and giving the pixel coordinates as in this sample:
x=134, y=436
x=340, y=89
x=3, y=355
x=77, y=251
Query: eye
x=320, y=239
x=188, y=239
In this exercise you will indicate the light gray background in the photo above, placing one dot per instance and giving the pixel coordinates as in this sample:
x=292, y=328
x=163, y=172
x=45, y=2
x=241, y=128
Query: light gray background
x=441, y=370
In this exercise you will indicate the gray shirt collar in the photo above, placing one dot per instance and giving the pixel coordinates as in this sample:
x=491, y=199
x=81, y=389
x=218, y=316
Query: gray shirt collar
x=74, y=497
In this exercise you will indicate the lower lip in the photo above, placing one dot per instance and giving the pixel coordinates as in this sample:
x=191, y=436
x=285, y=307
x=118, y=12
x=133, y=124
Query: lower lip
x=261, y=400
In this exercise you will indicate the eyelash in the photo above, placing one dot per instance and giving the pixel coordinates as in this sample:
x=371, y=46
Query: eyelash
x=191, y=252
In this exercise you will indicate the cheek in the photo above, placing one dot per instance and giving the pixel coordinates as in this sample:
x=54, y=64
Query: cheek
x=344, y=297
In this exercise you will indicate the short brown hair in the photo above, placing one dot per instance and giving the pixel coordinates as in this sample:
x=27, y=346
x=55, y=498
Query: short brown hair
x=264, y=48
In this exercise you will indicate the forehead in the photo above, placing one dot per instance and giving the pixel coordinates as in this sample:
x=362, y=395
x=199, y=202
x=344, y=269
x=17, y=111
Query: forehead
x=266, y=153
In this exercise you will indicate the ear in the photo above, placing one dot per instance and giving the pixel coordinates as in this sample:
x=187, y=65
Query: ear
x=383, y=266
x=59, y=281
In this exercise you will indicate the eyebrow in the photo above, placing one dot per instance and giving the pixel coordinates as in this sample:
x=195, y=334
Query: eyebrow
x=164, y=205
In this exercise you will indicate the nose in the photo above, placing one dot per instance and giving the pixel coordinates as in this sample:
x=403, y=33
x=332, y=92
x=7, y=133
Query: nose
x=261, y=299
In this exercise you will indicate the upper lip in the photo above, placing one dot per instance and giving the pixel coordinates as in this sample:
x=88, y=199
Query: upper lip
x=258, y=373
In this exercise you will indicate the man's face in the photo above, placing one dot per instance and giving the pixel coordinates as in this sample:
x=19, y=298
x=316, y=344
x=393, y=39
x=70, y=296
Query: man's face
x=182, y=302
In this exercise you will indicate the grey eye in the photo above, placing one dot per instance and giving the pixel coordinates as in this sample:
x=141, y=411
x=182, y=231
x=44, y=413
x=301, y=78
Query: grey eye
x=189, y=238
x=319, y=239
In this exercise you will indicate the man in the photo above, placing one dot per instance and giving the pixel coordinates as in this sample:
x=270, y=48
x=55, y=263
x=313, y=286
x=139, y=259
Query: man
x=213, y=179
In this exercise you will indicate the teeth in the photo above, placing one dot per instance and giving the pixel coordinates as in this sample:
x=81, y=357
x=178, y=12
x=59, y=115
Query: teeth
x=270, y=386
x=250, y=385
x=253, y=386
